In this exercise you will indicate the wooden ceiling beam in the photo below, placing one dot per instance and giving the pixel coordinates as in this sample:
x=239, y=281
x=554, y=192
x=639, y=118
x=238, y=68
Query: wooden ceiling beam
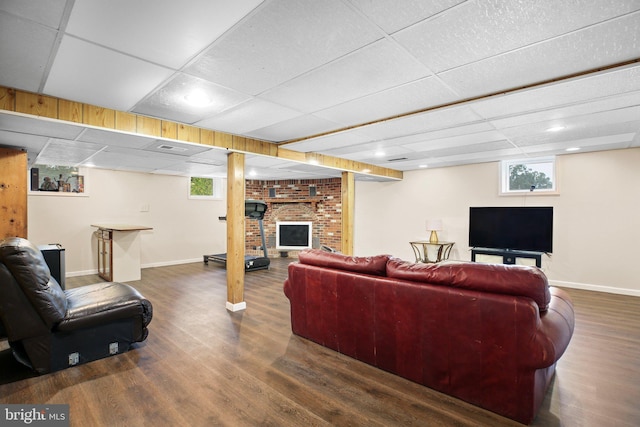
x=37, y=105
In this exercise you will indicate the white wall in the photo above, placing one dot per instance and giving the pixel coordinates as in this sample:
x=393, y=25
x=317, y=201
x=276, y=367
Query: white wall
x=596, y=216
x=183, y=229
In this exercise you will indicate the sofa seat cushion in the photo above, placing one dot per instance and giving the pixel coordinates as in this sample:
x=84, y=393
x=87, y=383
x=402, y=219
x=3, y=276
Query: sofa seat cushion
x=515, y=280
x=373, y=265
x=99, y=303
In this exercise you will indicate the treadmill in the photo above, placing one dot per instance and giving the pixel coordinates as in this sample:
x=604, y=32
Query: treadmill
x=253, y=209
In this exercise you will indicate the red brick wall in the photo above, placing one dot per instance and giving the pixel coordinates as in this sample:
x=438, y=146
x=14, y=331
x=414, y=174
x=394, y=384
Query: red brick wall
x=292, y=202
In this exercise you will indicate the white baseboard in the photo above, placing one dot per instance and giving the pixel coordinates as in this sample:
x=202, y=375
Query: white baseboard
x=596, y=288
x=236, y=307
x=80, y=273
x=168, y=263
x=150, y=265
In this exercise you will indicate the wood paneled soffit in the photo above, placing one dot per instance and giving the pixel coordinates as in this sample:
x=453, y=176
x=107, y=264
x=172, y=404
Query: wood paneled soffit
x=43, y=106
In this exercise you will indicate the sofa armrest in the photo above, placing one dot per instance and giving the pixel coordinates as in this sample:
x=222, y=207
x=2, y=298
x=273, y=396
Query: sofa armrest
x=557, y=324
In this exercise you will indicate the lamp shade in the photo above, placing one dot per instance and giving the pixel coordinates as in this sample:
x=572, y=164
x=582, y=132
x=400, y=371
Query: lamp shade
x=434, y=224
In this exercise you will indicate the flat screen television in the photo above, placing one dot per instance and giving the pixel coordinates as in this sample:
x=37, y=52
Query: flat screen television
x=293, y=235
x=514, y=228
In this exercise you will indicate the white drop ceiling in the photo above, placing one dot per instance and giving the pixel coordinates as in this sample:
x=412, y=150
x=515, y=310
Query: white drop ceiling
x=399, y=84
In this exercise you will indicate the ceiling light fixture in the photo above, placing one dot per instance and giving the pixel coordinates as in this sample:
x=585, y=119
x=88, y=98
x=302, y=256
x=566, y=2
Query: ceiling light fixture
x=555, y=128
x=198, y=98
x=572, y=149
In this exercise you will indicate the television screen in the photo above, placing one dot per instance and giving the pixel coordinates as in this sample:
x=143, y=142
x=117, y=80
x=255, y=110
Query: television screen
x=293, y=235
x=516, y=228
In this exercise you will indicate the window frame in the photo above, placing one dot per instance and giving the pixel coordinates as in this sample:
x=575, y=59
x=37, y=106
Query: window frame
x=217, y=185
x=80, y=171
x=505, y=165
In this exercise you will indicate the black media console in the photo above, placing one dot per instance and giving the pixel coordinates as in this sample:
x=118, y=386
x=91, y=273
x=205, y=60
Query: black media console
x=508, y=256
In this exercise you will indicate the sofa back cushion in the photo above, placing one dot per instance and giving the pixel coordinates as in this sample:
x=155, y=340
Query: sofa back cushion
x=515, y=280
x=373, y=265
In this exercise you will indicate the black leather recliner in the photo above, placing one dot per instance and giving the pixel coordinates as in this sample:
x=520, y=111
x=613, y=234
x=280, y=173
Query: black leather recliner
x=50, y=329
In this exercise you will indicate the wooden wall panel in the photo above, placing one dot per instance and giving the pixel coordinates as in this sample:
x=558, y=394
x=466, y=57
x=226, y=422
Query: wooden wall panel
x=169, y=129
x=149, y=126
x=126, y=121
x=98, y=116
x=37, y=105
x=70, y=111
x=188, y=133
x=13, y=193
x=7, y=99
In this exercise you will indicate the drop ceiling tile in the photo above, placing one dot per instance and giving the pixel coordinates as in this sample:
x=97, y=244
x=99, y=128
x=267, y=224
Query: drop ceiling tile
x=114, y=138
x=16, y=122
x=67, y=153
x=23, y=64
x=129, y=159
x=33, y=143
x=214, y=156
x=586, y=145
x=48, y=13
x=419, y=123
x=194, y=169
x=251, y=115
x=355, y=75
x=557, y=116
x=604, y=120
x=574, y=91
x=413, y=96
x=392, y=18
x=431, y=143
x=575, y=133
x=329, y=142
x=170, y=102
x=478, y=30
x=95, y=75
x=281, y=40
x=373, y=153
x=164, y=32
x=175, y=148
x=614, y=42
x=298, y=127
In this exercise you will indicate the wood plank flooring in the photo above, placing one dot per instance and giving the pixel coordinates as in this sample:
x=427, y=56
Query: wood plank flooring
x=205, y=366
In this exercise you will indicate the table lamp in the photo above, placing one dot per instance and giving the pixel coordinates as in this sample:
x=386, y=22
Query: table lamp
x=434, y=225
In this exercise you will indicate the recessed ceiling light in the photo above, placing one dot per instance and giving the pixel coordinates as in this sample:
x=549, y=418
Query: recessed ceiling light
x=555, y=128
x=422, y=166
x=198, y=98
x=572, y=149
x=379, y=153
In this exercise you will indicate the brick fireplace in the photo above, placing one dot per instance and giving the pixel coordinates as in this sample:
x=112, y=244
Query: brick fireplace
x=315, y=200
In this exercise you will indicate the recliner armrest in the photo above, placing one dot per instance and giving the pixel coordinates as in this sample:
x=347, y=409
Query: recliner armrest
x=95, y=304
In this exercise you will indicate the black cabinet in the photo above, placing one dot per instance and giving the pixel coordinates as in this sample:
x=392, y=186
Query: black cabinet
x=505, y=256
x=54, y=257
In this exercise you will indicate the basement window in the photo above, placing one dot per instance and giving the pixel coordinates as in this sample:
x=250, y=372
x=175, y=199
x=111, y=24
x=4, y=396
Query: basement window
x=205, y=188
x=535, y=176
x=57, y=179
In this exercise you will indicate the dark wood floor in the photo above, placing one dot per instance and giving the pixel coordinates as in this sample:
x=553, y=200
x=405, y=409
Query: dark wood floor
x=204, y=366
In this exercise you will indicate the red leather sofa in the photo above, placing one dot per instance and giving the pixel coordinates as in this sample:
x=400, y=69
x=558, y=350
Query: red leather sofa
x=485, y=333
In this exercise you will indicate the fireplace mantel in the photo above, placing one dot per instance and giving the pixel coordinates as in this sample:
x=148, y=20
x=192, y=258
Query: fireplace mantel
x=313, y=201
